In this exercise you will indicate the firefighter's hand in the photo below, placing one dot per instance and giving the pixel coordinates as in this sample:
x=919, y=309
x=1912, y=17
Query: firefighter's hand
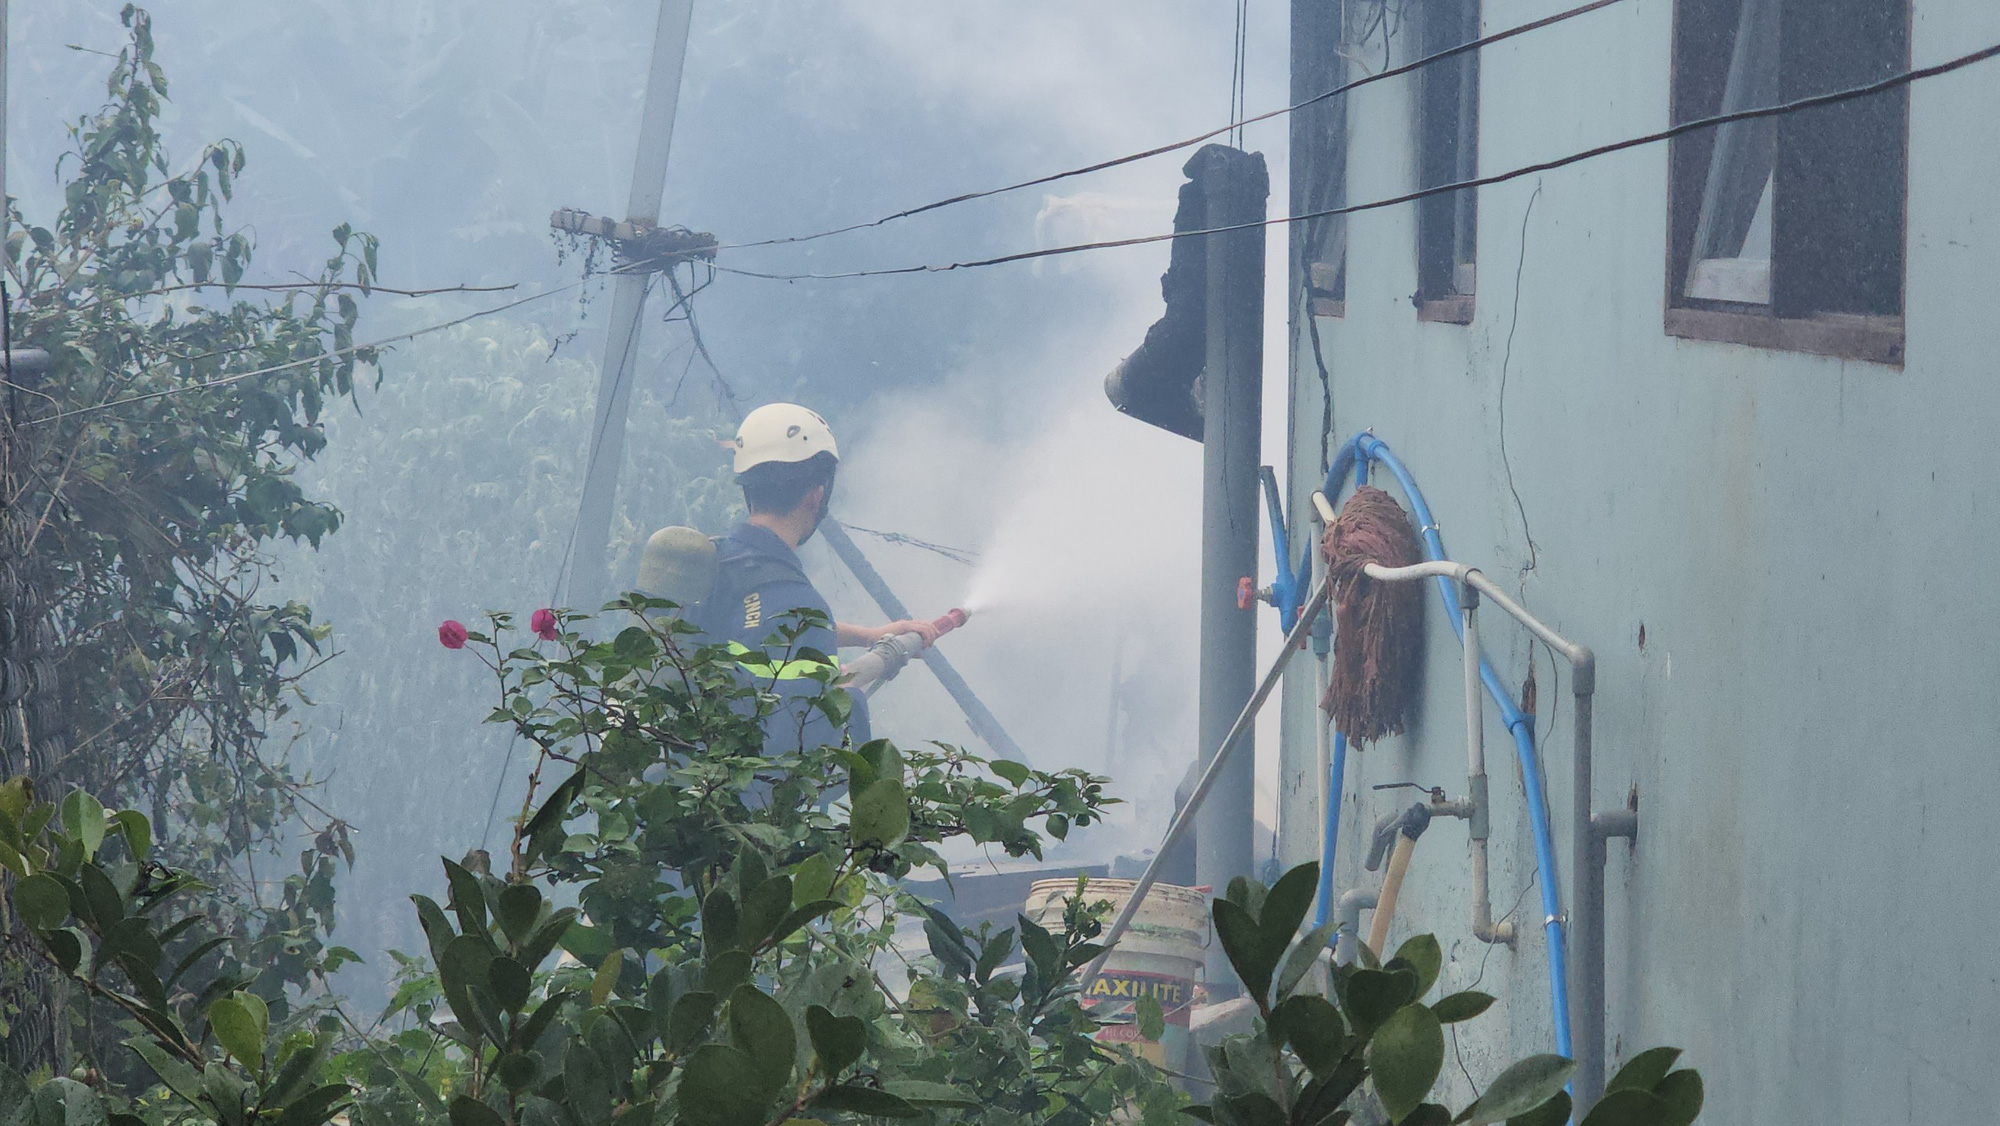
x=925, y=630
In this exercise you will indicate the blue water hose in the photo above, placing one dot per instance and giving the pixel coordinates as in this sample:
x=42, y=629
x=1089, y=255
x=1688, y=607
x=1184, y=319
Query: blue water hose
x=1357, y=453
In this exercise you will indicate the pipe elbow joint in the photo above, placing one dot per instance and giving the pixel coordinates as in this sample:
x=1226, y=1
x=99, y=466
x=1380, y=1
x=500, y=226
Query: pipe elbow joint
x=1583, y=670
x=1495, y=934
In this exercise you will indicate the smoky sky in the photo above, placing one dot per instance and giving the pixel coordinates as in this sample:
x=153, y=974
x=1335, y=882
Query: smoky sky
x=969, y=405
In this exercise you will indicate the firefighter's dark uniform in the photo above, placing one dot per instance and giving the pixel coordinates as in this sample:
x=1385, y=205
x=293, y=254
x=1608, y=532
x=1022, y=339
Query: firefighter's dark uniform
x=758, y=582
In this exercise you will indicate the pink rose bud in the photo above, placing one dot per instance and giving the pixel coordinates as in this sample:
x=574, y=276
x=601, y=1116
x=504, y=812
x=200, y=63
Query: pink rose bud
x=543, y=622
x=451, y=635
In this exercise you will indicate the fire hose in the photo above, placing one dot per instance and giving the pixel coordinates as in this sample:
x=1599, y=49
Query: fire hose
x=887, y=657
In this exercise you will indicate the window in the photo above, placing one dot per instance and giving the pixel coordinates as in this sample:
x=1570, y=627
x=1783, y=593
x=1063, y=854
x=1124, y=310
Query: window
x=1788, y=232
x=1319, y=138
x=1447, y=152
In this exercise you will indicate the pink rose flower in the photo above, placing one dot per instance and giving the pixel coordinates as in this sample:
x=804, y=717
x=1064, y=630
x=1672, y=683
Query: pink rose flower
x=543, y=622
x=451, y=635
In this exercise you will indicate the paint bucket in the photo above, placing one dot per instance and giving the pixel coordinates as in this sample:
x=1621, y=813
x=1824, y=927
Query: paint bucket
x=1160, y=956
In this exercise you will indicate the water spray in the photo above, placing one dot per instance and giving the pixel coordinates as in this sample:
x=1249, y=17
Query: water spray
x=888, y=656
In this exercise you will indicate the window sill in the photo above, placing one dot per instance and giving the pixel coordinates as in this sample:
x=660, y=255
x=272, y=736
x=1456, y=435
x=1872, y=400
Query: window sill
x=1877, y=340
x=1453, y=310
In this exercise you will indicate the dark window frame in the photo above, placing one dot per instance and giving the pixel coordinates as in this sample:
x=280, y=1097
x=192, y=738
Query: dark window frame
x=1319, y=140
x=1789, y=323
x=1448, y=224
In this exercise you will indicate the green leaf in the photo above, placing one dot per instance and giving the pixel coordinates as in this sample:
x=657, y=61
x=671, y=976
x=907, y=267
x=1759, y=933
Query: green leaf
x=42, y=901
x=606, y=978
x=236, y=1029
x=1555, y=1112
x=1682, y=1092
x=531, y=1031
x=1151, y=1019
x=1520, y=1089
x=722, y=1086
x=509, y=983
x=921, y=1092
x=1460, y=1006
x=1243, y=942
x=517, y=1071
x=546, y=935
x=1014, y=772
x=1405, y=1057
x=993, y=953
x=762, y=1028
x=1422, y=955
x=101, y=896
x=725, y=971
x=792, y=922
x=468, y=1111
x=1629, y=1107
x=949, y=948
x=1286, y=904
x=66, y=1102
x=812, y=878
x=463, y=966
x=692, y=1017
x=880, y=815
x=1644, y=1071
x=315, y=1106
x=137, y=831
x=518, y=905
x=586, y=944
x=719, y=927
x=586, y=1084
x=468, y=899
x=764, y=907
x=66, y=946
x=1255, y=1108
x=1369, y=996
x=1303, y=957
x=871, y=1102
x=302, y=1063
x=437, y=928
x=837, y=1040
x=179, y=1078
x=83, y=818
x=1314, y=1029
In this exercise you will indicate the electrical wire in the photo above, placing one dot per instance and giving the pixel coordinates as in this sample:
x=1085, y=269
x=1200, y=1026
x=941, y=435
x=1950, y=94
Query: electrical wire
x=1234, y=127
x=305, y=362
x=955, y=554
x=308, y=360
x=1893, y=82
x=1239, y=102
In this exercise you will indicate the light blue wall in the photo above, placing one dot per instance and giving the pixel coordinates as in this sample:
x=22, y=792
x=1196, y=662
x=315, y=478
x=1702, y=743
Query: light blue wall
x=1813, y=724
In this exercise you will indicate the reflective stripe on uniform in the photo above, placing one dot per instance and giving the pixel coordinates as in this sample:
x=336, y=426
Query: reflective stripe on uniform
x=763, y=666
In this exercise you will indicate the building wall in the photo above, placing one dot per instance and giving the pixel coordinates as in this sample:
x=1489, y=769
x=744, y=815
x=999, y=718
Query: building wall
x=1811, y=721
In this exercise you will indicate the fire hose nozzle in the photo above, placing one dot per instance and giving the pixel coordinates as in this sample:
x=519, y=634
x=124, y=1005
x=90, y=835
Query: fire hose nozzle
x=950, y=620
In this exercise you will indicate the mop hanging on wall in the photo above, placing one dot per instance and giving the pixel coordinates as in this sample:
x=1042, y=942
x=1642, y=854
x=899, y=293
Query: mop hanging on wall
x=1378, y=627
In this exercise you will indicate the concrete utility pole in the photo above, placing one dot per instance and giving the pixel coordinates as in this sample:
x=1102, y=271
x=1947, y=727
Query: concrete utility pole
x=590, y=579
x=1237, y=188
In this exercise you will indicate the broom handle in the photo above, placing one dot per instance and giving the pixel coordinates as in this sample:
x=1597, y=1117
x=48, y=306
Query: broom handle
x=1184, y=817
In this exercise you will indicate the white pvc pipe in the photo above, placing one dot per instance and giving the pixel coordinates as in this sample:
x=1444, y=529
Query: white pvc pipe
x=1475, y=732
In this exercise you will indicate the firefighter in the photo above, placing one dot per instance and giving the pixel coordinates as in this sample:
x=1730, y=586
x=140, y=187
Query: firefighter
x=785, y=460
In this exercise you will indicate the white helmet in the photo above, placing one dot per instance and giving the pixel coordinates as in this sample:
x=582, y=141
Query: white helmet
x=782, y=432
